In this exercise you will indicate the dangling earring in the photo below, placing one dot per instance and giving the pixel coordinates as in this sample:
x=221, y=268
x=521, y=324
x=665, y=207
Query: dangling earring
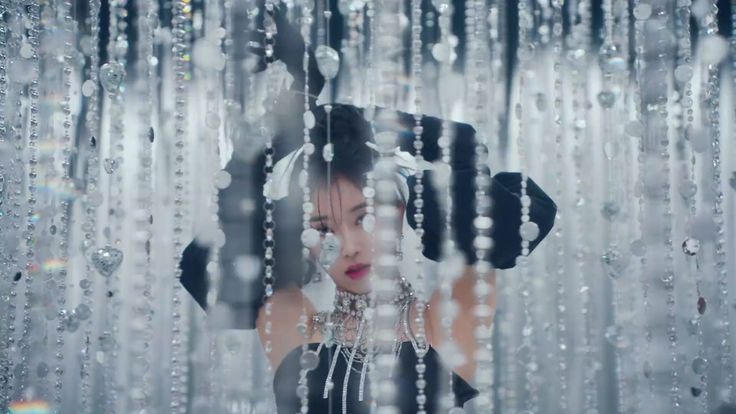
x=315, y=272
x=316, y=276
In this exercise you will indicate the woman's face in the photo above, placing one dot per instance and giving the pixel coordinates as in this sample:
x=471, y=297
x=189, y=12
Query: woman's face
x=341, y=211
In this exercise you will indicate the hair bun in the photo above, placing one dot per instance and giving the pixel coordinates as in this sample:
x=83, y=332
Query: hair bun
x=348, y=132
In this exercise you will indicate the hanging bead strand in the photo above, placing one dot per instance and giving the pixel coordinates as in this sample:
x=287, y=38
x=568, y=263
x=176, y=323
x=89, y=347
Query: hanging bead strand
x=420, y=301
x=310, y=236
x=269, y=222
x=528, y=229
x=444, y=53
x=613, y=263
x=638, y=247
x=30, y=235
x=713, y=91
x=93, y=198
x=65, y=204
x=112, y=75
x=668, y=277
x=369, y=222
x=683, y=76
x=560, y=172
x=139, y=374
x=180, y=20
x=15, y=192
x=386, y=270
x=476, y=16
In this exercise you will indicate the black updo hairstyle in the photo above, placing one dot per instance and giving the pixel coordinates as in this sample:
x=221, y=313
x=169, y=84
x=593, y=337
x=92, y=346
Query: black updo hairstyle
x=349, y=132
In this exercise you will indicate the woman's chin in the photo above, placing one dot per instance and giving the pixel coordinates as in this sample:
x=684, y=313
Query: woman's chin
x=356, y=286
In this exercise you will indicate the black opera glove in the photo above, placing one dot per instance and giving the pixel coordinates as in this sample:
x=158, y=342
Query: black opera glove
x=505, y=197
x=193, y=266
x=505, y=213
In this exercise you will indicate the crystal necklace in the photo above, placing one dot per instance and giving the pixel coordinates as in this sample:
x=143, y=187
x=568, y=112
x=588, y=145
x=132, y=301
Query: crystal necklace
x=345, y=326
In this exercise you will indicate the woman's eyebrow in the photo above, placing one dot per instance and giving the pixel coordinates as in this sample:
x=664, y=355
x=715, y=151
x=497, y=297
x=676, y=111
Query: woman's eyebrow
x=324, y=218
x=359, y=206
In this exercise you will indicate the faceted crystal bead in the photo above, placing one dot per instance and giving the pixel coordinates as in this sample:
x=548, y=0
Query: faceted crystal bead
x=330, y=250
x=327, y=153
x=611, y=58
x=121, y=47
x=442, y=52
x=309, y=360
x=683, y=73
x=87, y=45
x=606, y=99
x=328, y=61
x=529, y=231
x=691, y=246
x=610, y=210
x=310, y=237
x=614, y=262
x=700, y=365
x=26, y=50
x=223, y=179
x=88, y=88
x=309, y=119
x=701, y=306
x=71, y=322
x=637, y=247
x=110, y=165
x=714, y=49
x=302, y=329
x=302, y=391
x=111, y=76
x=83, y=311
x=107, y=260
x=369, y=223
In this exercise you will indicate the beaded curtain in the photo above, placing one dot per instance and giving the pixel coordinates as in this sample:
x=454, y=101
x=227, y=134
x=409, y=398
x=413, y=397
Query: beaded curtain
x=117, y=119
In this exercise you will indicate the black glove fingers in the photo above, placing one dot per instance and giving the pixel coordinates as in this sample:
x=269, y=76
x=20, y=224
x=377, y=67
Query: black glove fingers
x=255, y=44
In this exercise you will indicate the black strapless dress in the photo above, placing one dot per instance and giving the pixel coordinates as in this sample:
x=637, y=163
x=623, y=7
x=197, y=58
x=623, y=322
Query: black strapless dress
x=437, y=379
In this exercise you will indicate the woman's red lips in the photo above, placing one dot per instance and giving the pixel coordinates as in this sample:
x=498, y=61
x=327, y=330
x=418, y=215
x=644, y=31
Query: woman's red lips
x=358, y=271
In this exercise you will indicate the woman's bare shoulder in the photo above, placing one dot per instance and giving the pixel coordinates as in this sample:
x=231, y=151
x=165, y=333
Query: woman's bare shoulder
x=286, y=307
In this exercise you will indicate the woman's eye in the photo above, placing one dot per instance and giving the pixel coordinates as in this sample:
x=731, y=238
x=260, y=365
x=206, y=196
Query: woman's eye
x=324, y=230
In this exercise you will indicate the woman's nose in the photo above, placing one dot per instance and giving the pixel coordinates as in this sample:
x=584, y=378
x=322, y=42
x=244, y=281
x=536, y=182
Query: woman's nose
x=350, y=243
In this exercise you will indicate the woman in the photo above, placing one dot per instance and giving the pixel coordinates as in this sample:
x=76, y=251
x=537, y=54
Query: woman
x=338, y=349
